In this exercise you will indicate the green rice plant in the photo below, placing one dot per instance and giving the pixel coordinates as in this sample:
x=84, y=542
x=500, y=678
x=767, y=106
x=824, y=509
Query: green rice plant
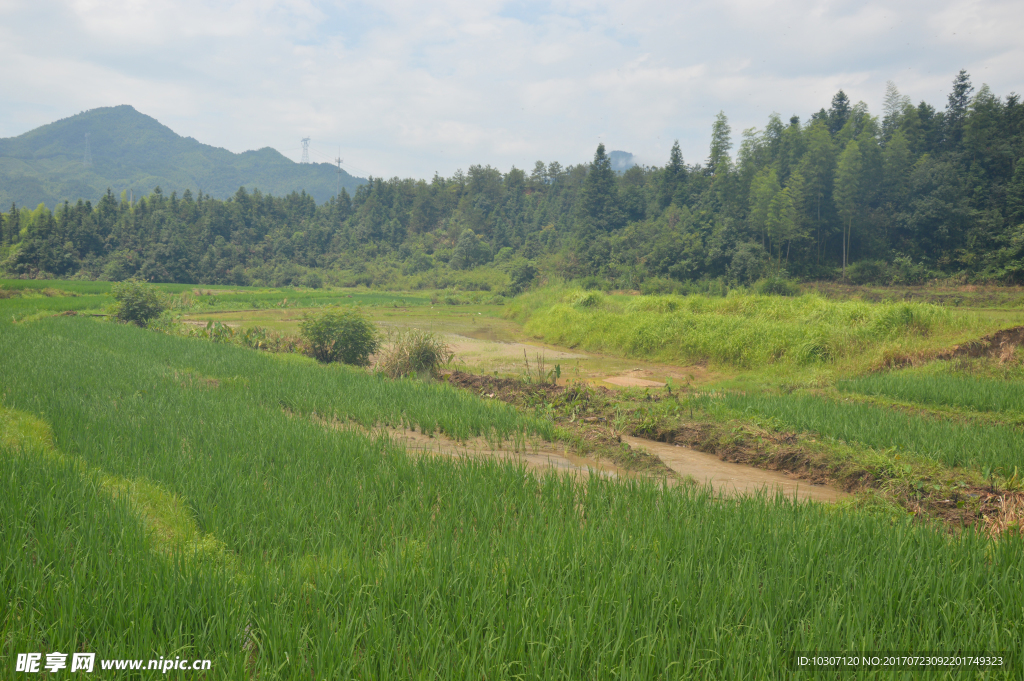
x=354, y=560
x=980, y=394
x=950, y=443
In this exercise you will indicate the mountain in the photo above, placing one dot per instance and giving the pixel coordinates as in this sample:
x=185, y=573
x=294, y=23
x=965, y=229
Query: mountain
x=621, y=161
x=132, y=151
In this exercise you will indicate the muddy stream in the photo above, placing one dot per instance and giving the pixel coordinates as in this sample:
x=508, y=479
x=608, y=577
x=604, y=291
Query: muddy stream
x=729, y=478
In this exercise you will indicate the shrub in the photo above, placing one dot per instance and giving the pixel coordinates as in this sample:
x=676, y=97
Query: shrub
x=313, y=280
x=659, y=286
x=777, y=286
x=414, y=352
x=137, y=302
x=340, y=335
x=521, y=273
x=593, y=283
x=868, y=272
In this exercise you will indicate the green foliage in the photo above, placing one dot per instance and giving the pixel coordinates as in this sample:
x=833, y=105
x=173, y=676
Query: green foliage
x=777, y=286
x=584, y=299
x=655, y=286
x=137, y=302
x=521, y=273
x=340, y=335
x=313, y=280
x=740, y=329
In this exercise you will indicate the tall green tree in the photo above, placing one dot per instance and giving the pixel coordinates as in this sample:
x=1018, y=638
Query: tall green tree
x=673, y=177
x=839, y=112
x=721, y=141
x=956, y=110
x=598, y=211
x=818, y=169
x=763, y=190
x=848, y=192
x=893, y=107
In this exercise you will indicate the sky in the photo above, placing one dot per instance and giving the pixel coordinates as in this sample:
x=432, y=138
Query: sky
x=410, y=88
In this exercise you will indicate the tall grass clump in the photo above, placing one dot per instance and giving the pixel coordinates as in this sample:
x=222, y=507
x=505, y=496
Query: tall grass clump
x=414, y=353
x=354, y=560
x=741, y=329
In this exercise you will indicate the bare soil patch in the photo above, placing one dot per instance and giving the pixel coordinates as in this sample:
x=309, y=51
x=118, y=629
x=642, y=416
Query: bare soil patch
x=629, y=381
x=1001, y=344
x=591, y=410
x=734, y=478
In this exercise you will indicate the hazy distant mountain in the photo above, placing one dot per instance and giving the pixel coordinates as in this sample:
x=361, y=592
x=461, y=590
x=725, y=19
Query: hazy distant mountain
x=130, y=150
x=621, y=161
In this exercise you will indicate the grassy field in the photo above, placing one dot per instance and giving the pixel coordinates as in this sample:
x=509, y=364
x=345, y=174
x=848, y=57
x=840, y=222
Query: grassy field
x=258, y=501
x=186, y=503
x=741, y=330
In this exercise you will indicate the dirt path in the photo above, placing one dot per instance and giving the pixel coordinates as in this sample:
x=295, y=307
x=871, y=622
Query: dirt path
x=732, y=478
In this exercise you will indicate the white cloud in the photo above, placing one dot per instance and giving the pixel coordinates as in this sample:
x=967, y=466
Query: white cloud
x=407, y=88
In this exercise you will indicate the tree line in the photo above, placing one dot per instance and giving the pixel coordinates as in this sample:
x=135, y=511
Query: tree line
x=911, y=194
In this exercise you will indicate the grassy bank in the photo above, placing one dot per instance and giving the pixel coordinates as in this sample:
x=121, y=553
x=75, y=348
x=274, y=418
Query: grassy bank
x=352, y=560
x=741, y=330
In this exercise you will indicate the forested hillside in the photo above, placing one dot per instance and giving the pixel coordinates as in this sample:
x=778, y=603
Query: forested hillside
x=909, y=194
x=132, y=152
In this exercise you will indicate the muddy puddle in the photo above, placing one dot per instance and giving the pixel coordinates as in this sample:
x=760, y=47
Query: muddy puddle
x=732, y=478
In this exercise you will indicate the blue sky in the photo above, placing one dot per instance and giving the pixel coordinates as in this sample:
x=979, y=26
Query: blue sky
x=410, y=88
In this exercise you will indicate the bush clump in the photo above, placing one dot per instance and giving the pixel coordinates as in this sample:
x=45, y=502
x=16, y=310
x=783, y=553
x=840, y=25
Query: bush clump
x=777, y=286
x=137, y=302
x=340, y=335
x=584, y=299
x=414, y=353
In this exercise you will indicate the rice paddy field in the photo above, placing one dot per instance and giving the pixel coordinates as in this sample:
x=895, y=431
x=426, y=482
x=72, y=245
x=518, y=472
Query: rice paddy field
x=166, y=496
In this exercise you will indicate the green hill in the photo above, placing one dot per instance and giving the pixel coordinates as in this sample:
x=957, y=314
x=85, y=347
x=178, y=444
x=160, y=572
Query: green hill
x=132, y=151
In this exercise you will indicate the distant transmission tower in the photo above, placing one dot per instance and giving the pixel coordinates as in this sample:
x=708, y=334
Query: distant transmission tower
x=338, y=161
x=87, y=161
x=305, y=150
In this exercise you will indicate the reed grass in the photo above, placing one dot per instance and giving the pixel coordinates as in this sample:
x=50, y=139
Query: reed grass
x=740, y=330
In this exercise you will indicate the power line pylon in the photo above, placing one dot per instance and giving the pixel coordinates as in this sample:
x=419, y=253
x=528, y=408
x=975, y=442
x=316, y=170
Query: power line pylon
x=338, y=161
x=87, y=161
x=305, y=150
